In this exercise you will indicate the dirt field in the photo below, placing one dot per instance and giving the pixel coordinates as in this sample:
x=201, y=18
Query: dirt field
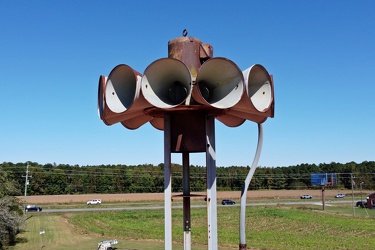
x=273, y=194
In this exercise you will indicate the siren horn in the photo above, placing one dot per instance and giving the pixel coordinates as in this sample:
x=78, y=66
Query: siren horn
x=220, y=84
x=257, y=102
x=166, y=83
x=124, y=99
x=101, y=99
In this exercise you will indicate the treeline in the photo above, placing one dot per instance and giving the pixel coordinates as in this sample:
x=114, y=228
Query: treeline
x=52, y=179
x=11, y=212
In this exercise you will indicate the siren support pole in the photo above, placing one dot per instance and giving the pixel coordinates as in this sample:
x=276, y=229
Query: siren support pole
x=323, y=197
x=249, y=176
x=167, y=184
x=186, y=200
x=211, y=183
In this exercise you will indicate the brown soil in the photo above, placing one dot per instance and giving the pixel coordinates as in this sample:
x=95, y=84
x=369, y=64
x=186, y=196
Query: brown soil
x=274, y=194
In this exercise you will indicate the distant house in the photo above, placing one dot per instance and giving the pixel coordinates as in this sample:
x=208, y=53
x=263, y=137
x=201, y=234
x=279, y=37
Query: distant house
x=371, y=201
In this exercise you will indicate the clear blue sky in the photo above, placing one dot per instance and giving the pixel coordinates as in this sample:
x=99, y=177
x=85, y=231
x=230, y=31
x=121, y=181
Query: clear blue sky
x=321, y=54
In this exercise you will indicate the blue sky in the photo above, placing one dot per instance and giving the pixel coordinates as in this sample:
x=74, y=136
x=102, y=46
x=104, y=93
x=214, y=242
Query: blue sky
x=321, y=54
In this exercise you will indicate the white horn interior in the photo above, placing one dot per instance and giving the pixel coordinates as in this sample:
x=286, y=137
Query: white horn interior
x=258, y=87
x=166, y=83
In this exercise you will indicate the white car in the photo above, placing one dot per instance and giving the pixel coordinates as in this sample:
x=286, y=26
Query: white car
x=94, y=202
x=340, y=196
x=306, y=196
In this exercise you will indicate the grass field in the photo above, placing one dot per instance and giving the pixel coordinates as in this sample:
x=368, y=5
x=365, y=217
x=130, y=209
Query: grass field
x=268, y=227
x=61, y=235
x=300, y=227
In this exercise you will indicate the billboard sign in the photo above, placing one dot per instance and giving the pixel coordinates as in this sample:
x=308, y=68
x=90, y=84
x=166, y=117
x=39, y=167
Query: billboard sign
x=324, y=179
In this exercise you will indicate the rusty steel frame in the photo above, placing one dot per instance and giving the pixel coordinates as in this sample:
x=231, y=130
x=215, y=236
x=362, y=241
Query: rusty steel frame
x=211, y=196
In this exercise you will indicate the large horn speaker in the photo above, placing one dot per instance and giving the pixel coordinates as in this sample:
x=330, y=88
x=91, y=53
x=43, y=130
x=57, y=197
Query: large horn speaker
x=124, y=99
x=166, y=83
x=101, y=100
x=257, y=102
x=220, y=84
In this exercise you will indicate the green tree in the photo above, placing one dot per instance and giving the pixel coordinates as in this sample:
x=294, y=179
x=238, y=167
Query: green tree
x=8, y=185
x=11, y=218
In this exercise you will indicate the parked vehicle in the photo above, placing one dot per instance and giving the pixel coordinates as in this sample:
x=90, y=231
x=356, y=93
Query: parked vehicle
x=107, y=244
x=228, y=202
x=361, y=204
x=340, y=196
x=306, y=196
x=94, y=202
x=31, y=208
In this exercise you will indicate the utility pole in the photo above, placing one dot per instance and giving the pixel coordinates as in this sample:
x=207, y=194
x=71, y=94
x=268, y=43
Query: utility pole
x=26, y=180
x=352, y=181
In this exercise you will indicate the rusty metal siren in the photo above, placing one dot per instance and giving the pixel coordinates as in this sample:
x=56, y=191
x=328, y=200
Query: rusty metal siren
x=101, y=100
x=257, y=102
x=189, y=80
x=123, y=100
x=166, y=83
x=220, y=84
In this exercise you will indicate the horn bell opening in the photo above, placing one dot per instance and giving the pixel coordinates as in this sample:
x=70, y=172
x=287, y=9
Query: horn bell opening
x=122, y=88
x=166, y=83
x=220, y=83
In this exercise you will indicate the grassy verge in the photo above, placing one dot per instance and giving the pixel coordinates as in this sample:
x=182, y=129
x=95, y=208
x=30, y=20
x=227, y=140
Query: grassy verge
x=281, y=227
x=59, y=234
x=268, y=227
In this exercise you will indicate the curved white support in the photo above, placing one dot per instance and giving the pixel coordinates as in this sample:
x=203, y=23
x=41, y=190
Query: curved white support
x=246, y=186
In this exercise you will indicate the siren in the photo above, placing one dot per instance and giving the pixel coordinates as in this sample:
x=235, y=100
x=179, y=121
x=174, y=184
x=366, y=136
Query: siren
x=257, y=102
x=220, y=84
x=101, y=100
x=124, y=99
x=166, y=83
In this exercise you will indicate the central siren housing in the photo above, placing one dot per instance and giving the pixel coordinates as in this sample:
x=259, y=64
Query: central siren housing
x=189, y=79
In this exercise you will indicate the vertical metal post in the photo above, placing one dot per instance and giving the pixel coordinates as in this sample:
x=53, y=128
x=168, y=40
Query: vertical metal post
x=41, y=239
x=352, y=181
x=323, y=197
x=167, y=184
x=211, y=184
x=26, y=184
x=186, y=200
x=26, y=181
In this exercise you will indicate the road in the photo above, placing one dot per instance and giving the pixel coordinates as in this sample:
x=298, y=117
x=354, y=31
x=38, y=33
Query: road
x=142, y=207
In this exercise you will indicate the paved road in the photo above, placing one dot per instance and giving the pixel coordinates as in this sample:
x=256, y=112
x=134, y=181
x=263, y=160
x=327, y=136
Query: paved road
x=96, y=208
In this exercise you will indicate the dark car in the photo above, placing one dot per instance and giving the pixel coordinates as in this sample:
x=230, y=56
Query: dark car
x=361, y=204
x=227, y=202
x=30, y=208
